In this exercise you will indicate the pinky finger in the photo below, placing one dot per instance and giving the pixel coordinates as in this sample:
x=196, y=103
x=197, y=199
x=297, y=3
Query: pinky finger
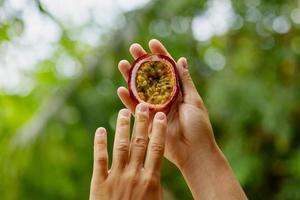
x=100, y=171
x=124, y=67
x=126, y=99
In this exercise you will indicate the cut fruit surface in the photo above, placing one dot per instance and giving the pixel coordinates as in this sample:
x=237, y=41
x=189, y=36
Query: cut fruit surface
x=153, y=80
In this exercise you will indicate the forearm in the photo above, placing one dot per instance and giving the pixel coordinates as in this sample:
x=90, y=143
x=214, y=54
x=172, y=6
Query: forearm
x=209, y=176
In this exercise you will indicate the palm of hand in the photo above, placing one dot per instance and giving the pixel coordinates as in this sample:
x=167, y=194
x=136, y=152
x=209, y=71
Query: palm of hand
x=187, y=125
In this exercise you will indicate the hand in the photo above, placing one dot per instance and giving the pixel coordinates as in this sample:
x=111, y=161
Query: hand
x=190, y=143
x=130, y=177
x=189, y=129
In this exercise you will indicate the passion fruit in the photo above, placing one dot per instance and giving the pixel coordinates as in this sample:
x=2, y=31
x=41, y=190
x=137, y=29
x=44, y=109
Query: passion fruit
x=153, y=79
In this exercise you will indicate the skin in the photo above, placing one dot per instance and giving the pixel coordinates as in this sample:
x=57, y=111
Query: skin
x=190, y=142
x=135, y=170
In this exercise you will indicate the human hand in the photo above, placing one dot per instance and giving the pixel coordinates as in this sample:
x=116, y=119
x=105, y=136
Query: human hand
x=130, y=177
x=189, y=129
x=190, y=143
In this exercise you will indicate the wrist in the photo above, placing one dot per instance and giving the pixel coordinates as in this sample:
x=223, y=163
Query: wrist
x=200, y=158
x=209, y=176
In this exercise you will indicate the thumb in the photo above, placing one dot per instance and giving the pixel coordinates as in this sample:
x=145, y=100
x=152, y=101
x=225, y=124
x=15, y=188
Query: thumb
x=189, y=91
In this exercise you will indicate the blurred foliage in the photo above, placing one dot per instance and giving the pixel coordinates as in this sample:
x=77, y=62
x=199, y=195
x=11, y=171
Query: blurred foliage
x=46, y=136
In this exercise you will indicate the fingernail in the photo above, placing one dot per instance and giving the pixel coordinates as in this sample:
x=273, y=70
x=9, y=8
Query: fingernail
x=124, y=112
x=184, y=63
x=100, y=132
x=142, y=108
x=160, y=116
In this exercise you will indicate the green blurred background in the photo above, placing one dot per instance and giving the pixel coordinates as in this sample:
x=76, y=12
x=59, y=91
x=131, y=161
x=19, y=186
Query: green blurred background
x=59, y=76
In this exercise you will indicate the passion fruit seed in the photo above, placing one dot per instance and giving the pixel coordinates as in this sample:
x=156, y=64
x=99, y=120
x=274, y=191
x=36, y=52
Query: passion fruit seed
x=154, y=82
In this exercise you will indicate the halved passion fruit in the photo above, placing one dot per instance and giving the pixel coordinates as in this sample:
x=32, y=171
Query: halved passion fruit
x=153, y=79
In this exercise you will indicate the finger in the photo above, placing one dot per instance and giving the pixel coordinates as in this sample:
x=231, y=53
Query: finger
x=139, y=139
x=156, y=144
x=100, y=157
x=136, y=50
x=126, y=99
x=124, y=67
x=121, y=143
x=157, y=47
x=189, y=91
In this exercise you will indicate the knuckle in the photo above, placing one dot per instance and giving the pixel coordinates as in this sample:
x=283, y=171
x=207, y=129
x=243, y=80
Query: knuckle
x=100, y=145
x=123, y=146
x=142, y=118
x=131, y=177
x=140, y=142
x=123, y=122
x=199, y=102
x=186, y=75
x=157, y=148
x=101, y=160
x=150, y=181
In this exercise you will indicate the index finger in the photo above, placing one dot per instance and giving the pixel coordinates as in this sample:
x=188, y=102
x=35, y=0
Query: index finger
x=157, y=47
x=136, y=50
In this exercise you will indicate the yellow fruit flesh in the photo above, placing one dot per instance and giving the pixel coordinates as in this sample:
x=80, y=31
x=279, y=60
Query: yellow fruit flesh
x=155, y=82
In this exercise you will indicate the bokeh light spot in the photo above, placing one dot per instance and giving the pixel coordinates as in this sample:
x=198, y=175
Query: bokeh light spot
x=281, y=25
x=295, y=15
x=214, y=59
